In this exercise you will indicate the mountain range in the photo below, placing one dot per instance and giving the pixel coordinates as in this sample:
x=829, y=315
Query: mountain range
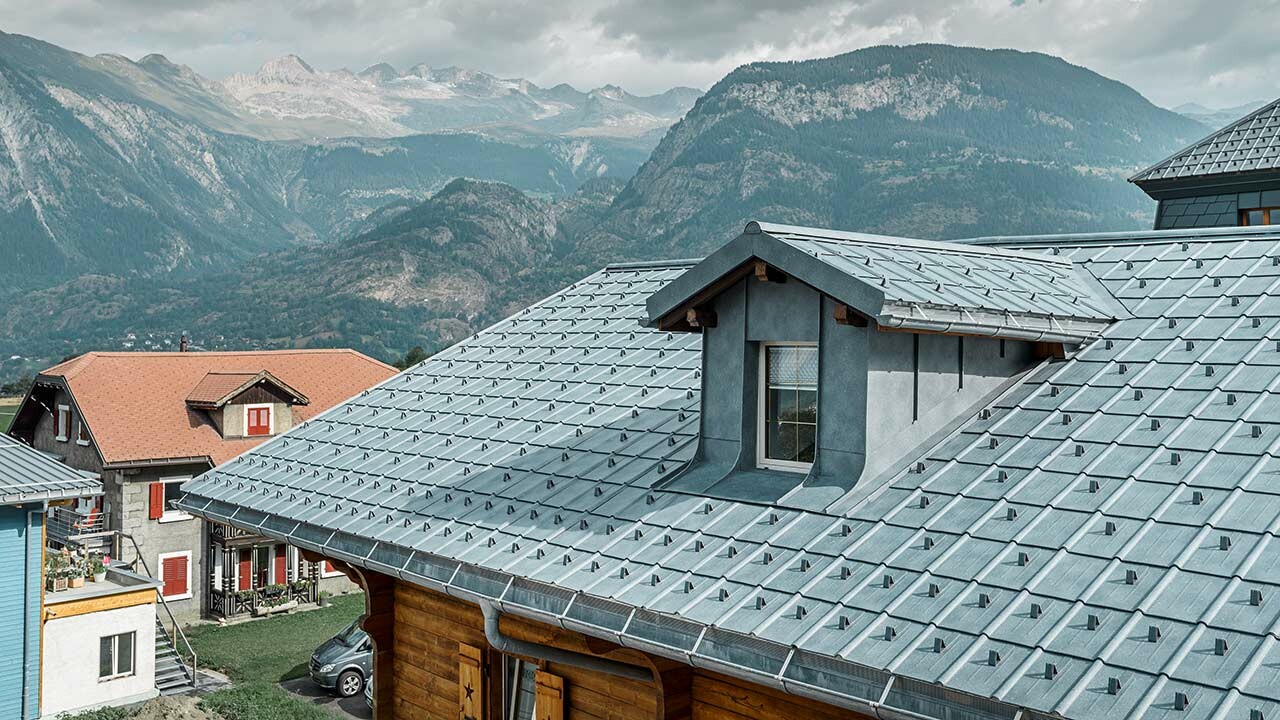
x=288, y=98
x=135, y=169
x=381, y=249
x=1214, y=118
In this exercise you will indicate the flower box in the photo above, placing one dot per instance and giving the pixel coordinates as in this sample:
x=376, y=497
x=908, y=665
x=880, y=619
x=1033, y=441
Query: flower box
x=264, y=610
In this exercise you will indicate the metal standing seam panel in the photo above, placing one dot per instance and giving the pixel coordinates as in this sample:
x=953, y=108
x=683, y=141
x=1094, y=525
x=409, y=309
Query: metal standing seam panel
x=1058, y=551
x=27, y=475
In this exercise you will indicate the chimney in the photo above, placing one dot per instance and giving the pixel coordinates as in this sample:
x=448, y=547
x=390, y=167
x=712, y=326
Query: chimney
x=182, y=343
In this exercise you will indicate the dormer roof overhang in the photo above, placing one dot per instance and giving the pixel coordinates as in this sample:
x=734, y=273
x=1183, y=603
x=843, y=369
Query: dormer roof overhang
x=902, y=284
x=1247, y=147
x=217, y=389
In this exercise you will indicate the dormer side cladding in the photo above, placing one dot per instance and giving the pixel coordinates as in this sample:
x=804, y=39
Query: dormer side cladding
x=881, y=394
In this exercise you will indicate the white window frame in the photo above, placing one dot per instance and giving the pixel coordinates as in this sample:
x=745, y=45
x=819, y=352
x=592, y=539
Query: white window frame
x=275, y=553
x=514, y=666
x=115, y=656
x=82, y=433
x=160, y=572
x=326, y=574
x=62, y=434
x=271, y=418
x=762, y=389
x=170, y=515
x=217, y=570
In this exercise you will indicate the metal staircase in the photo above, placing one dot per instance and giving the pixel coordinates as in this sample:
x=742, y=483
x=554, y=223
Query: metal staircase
x=172, y=674
x=177, y=669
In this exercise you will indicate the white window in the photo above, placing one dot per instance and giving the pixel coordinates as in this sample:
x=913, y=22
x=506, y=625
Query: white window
x=327, y=570
x=62, y=428
x=174, y=571
x=518, y=688
x=115, y=656
x=173, y=491
x=82, y=433
x=787, y=426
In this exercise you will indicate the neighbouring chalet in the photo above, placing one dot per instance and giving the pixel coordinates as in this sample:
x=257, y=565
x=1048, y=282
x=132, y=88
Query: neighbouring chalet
x=822, y=475
x=147, y=422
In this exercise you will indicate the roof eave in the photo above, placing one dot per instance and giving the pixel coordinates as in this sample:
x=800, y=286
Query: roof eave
x=219, y=511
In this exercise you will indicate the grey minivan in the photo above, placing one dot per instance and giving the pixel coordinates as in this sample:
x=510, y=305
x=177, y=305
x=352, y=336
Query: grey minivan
x=344, y=662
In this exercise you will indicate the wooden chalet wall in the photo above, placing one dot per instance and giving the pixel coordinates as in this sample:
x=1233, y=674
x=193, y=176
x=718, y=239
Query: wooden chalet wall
x=434, y=638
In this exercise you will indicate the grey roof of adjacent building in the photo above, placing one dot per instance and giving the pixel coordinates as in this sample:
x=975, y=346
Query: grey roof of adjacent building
x=28, y=475
x=917, y=284
x=1250, y=143
x=1100, y=542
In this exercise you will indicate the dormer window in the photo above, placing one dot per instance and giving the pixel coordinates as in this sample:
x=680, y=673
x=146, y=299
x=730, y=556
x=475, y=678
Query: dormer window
x=1260, y=216
x=788, y=417
x=257, y=420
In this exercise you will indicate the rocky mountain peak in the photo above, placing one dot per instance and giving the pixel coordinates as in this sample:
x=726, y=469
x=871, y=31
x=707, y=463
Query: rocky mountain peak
x=381, y=72
x=289, y=68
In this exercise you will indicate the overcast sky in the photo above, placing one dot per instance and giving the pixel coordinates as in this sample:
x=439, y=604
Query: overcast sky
x=1173, y=51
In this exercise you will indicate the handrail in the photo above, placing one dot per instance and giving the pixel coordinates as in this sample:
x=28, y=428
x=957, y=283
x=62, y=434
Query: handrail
x=177, y=630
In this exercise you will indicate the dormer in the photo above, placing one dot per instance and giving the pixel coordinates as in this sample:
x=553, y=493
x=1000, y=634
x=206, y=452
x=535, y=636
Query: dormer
x=246, y=405
x=831, y=358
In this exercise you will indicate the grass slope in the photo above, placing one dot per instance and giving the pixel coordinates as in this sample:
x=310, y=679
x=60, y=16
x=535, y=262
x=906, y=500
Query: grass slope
x=258, y=655
x=8, y=408
x=274, y=649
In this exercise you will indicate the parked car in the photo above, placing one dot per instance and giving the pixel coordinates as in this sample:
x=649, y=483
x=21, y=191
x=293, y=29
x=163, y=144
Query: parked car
x=368, y=693
x=344, y=662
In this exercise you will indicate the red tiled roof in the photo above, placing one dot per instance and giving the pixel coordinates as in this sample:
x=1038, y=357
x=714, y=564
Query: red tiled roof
x=135, y=402
x=218, y=388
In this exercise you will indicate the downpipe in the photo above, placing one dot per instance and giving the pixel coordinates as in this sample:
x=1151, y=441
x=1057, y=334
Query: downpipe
x=512, y=646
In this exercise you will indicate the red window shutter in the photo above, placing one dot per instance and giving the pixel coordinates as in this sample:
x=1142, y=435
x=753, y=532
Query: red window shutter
x=174, y=572
x=156, y=508
x=282, y=557
x=329, y=568
x=259, y=421
x=246, y=570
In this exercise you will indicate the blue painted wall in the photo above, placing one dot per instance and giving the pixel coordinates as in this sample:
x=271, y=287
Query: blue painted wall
x=20, y=543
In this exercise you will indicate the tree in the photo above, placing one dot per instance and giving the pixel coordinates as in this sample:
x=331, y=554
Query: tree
x=415, y=355
x=14, y=388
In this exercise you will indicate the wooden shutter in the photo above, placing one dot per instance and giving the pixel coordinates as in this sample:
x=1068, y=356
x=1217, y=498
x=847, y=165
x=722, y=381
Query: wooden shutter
x=259, y=421
x=174, y=573
x=282, y=567
x=156, y=507
x=470, y=683
x=246, y=570
x=548, y=701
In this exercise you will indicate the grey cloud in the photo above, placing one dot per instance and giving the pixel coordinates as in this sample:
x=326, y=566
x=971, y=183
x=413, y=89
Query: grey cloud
x=1171, y=51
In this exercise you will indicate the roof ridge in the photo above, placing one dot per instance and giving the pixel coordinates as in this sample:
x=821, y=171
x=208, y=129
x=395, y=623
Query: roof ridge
x=1207, y=234
x=896, y=242
x=76, y=364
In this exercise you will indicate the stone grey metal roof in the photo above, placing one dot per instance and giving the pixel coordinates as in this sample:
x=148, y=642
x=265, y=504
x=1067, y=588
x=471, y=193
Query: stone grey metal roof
x=1099, y=543
x=27, y=475
x=1250, y=143
x=917, y=284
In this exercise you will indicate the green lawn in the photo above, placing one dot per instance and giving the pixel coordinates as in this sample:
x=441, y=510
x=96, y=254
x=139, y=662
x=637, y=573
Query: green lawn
x=274, y=649
x=257, y=655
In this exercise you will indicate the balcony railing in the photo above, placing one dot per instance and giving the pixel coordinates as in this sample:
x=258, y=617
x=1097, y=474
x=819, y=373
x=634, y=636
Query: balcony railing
x=247, y=602
x=221, y=533
x=66, y=527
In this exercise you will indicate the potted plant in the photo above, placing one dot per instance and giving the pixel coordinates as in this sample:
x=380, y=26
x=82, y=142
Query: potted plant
x=55, y=570
x=98, y=570
x=75, y=576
